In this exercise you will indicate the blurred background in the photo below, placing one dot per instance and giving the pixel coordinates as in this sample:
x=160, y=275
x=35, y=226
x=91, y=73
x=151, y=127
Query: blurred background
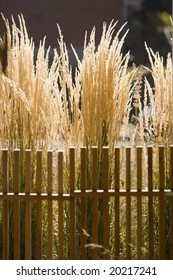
x=148, y=20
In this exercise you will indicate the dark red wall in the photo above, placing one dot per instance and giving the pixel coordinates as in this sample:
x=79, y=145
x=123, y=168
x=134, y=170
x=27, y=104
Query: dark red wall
x=73, y=16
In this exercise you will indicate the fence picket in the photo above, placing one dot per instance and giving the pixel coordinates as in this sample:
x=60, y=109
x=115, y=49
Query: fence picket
x=39, y=205
x=171, y=200
x=150, y=203
x=106, y=230
x=161, y=203
x=60, y=207
x=139, y=202
x=5, y=216
x=83, y=204
x=72, y=253
x=94, y=185
x=16, y=204
x=49, y=191
x=128, y=203
x=117, y=203
x=28, y=253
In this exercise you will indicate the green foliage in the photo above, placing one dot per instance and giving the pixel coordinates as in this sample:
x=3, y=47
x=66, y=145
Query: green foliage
x=152, y=25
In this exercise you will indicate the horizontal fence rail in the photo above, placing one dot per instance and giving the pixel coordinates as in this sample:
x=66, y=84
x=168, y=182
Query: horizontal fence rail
x=88, y=204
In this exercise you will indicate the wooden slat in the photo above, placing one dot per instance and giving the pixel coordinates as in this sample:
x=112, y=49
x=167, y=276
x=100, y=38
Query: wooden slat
x=117, y=204
x=94, y=185
x=39, y=205
x=60, y=207
x=139, y=203
x=28, y=253
x=128, y=203
x=106, y=229
x=72, y=253
x=16, y=205
x=83, y=203
x=150, y=204
x=49, y=191
x=5, y=216
x=171, y=200
x=161, y=203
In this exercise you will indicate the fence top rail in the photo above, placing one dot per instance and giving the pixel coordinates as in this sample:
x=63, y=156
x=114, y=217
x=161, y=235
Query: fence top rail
x=89, y=147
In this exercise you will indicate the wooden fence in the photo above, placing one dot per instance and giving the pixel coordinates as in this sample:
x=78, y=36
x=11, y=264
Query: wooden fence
x=90, y=204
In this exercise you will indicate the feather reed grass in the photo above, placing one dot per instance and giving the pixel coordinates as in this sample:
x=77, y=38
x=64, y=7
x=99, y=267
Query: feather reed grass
x=43, y=105
x=30, y=101
x=106, y=87
x=154, y=121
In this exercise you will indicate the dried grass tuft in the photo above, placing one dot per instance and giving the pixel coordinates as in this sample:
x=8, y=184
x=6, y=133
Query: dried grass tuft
x=155, y=122
x=43, y=106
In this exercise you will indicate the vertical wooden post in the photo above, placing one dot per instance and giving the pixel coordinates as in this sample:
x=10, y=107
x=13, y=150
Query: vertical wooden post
x=49, y=191
x=171, y=199
x=139, y=202
x=39, y=205
x=94, y=183
x=83, y=204
x=60, y=207
x=106, y=229
x=28, y=252
x=117, y=203
x=128, y=203
x=16, y=178
x=150, y=203
x=5, y=216
x=161, y=202
x=72, y=205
